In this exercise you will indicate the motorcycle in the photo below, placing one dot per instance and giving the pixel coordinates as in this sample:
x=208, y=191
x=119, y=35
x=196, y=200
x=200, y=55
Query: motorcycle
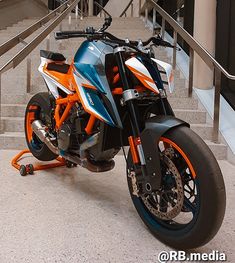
x=112, y=96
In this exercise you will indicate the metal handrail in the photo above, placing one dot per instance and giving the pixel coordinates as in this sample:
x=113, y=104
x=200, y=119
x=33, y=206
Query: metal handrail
x=100, y=6
x=195, y=46
x=6, y=46
x=23, y=53
x=127, y=7
x=192, y=42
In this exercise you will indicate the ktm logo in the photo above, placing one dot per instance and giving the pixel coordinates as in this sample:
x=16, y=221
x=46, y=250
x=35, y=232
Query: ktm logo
x=90, y=99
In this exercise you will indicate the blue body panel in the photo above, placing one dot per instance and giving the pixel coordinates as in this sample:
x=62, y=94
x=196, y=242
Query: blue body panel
x=89, y=62
x=96, y=103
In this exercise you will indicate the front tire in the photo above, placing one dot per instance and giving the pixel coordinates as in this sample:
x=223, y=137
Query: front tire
x=197, y=167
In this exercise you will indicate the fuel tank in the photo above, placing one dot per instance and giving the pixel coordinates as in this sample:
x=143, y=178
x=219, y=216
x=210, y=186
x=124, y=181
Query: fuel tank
x=89, y=61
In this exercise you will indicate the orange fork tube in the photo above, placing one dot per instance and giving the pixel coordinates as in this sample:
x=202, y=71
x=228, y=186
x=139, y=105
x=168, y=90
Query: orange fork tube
x=134, y=152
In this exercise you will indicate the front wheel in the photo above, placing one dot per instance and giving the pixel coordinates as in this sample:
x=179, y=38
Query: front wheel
x=188, y=209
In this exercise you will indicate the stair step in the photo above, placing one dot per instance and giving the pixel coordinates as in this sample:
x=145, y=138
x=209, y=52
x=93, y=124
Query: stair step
x=13, y=124
x=16, y=141
x=16, y=99
x=12, y=141
x=183, y=103
x=13, y=110
x=205, y=131
x=179, y=92
x=218, y=149
x=18, y=110
x=191, y=116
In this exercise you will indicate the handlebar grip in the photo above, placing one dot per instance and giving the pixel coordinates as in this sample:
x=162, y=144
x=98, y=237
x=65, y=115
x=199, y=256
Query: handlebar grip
x=68, y=34
x=60, y=35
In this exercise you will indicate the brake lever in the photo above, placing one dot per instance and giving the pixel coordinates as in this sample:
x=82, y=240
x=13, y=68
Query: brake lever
x=160, y=42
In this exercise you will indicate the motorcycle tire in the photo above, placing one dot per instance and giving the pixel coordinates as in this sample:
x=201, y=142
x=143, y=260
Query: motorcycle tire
x=207, y=207
x=38, y=108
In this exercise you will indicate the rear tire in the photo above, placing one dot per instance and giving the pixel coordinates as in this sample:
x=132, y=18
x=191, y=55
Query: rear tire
x=38, y=108
x=209, y=204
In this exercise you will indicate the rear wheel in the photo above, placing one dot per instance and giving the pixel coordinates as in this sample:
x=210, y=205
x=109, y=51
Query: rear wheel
x=38, y=108
x=188, y=209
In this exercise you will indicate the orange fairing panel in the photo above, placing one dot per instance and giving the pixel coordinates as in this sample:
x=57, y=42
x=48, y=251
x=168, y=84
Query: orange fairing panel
x=141, y=73
x=66, y=80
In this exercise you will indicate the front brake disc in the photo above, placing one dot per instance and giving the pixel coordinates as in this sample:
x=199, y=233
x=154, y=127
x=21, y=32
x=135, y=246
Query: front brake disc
x=174, y=197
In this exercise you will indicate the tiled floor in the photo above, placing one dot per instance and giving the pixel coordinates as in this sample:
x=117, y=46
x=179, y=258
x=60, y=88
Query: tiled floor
x=71, y=215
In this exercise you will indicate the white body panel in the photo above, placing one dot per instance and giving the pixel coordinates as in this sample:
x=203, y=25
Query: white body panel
x=141, y=73
x=169, y=73
x=52, y=84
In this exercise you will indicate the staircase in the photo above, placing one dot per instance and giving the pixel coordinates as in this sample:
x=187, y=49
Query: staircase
x=14, y=96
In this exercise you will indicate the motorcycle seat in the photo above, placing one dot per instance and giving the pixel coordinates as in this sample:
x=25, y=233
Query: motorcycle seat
x=61, y=68
x=52, y=55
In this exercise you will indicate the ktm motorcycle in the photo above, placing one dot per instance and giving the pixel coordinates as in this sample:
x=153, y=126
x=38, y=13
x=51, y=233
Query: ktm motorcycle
x=111, y=97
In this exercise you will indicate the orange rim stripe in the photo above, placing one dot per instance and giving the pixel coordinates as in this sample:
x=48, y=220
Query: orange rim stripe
x=29, y=119
x=166, y=140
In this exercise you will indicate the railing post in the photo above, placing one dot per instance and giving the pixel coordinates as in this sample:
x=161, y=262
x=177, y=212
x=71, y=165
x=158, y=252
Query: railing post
x=191, y=63
x=91, y=8
x=146, y=16
x=132, y=9
x=28, y=88
x=218, y=77
x=140, y=7
x=70, y=19
x=82, y=9
x=76, y=12
x=48, y=42
x=86, y=7
x=1, y=126
x=174, y=51
x=154, y=20
x=163, y=28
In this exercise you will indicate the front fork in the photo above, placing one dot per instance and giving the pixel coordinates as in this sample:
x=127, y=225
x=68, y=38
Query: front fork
x=142, y=147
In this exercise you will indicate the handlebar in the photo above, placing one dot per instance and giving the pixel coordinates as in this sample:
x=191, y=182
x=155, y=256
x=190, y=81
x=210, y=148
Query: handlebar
x=91, y=34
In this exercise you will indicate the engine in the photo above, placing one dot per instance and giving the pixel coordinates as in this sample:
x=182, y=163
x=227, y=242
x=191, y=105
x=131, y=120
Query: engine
x=71, y=133
x=73, y=139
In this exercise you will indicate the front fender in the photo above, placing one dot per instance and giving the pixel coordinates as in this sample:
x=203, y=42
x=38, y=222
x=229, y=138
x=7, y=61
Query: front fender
x=161, y=124
x=155, y=127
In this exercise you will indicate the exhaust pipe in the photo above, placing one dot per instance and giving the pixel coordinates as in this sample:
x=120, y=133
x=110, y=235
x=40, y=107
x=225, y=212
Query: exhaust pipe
x=41, y=131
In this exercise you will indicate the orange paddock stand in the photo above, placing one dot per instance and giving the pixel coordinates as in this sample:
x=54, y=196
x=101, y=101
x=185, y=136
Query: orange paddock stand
x=30, y=168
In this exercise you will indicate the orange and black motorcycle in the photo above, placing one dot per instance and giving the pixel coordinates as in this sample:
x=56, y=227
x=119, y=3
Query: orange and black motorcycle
x=111, y=96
